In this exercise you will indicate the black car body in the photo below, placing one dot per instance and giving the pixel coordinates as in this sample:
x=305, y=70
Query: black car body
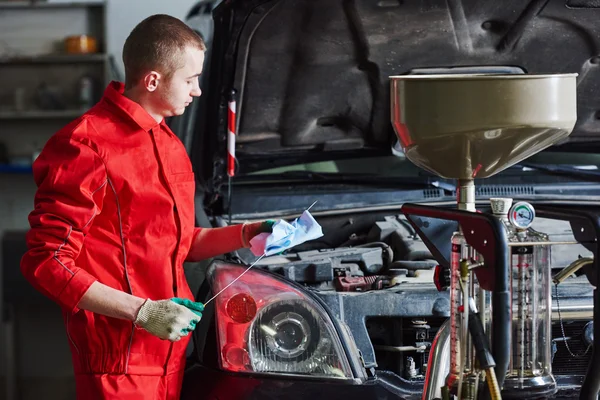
x=310, y=81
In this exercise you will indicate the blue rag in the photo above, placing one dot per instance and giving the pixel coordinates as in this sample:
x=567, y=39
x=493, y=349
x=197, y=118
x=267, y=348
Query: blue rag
x=286, y=235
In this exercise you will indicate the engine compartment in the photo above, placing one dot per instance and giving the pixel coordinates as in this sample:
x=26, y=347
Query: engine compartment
x=376, y=276
x=370, y=251
x=357, y=255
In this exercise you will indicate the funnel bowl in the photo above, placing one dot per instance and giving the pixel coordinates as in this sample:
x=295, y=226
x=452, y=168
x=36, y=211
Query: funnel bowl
x=474, y=126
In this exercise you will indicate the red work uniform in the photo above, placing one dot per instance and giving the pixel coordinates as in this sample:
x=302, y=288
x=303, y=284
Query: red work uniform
x=115, y=204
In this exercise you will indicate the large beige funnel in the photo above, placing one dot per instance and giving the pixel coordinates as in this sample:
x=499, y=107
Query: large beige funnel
x=474, y=126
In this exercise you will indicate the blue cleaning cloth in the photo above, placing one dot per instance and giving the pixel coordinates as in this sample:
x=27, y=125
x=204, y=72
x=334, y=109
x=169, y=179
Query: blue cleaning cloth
x=286, y=235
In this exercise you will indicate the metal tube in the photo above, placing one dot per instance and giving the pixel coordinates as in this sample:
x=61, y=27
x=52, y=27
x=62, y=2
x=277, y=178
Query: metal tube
x=465, y=194
x=571, y=269
x=399, y=349
x=481, y=306
x=471, y=361
x=519, y=244
x=521, y=315
x=438, y=364
x=578, y=312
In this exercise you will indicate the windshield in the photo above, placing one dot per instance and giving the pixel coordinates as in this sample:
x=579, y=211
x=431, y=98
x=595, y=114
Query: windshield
x=399, y=166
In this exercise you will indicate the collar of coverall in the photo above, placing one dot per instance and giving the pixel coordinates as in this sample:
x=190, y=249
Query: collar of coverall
x=114, y=93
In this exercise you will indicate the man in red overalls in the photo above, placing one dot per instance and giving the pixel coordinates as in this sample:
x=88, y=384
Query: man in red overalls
x=114, y=222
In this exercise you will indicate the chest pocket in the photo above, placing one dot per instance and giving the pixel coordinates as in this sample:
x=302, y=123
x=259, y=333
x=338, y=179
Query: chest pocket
x=180, y=164
x=178, y=161
x=183, y=187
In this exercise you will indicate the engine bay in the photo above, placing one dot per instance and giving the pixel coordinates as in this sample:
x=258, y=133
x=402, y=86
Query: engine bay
x=371, y=256
x=376, y=276
x=379, y=251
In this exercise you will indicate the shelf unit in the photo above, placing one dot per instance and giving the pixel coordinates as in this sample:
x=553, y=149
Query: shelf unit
x=32, y=35
x=39, y=81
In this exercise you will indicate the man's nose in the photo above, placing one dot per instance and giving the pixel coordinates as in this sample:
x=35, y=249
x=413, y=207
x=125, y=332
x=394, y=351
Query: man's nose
x=196, y=91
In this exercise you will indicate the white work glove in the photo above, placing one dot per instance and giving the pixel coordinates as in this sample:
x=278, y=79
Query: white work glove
x=166, y=319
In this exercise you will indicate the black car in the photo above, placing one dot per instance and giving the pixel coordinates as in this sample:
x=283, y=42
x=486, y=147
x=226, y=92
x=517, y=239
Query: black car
x=354, y=314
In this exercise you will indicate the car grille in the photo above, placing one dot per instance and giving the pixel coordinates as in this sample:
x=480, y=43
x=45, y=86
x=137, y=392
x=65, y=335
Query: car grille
x=563, y=363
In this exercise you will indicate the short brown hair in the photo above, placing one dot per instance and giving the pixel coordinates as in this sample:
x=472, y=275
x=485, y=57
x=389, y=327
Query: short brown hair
x=157, y=43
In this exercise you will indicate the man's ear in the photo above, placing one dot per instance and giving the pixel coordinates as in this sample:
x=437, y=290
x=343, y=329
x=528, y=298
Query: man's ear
x=151, y=81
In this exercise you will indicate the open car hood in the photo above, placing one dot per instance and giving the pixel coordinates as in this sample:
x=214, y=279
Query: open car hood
x=311, y=77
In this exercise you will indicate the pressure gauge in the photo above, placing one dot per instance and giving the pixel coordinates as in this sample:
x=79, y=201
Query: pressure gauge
x=521, y=215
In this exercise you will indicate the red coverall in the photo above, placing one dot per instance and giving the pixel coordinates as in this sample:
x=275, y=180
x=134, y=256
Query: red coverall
x=115, y=204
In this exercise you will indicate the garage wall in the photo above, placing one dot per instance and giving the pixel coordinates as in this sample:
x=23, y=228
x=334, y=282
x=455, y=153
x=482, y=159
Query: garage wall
x=124, y=15
x=42, y=350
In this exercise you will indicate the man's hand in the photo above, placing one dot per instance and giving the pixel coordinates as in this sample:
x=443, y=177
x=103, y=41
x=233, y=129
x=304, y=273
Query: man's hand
x=167, y=319
x=255, y=228
x=195, y=307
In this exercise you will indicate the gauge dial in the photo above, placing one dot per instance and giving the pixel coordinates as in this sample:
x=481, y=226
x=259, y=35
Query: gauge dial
x=521, y=215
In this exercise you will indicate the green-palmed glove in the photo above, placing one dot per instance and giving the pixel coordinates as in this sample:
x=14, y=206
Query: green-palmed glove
x=167, y=319
x=195, y=307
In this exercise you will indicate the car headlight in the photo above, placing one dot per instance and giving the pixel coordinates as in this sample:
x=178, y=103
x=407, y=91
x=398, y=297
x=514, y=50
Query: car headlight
x=265, y=325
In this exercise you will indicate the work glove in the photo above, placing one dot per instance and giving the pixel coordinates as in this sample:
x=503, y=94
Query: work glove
x=194, y=307
x=251, y=229
x=168, y=319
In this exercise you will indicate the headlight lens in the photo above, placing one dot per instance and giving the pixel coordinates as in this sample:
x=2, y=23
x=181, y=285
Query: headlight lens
x=285, y=332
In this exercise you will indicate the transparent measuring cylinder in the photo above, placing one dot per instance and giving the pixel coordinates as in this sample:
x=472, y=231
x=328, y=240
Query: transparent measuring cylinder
x=531, y=306
x=530, y=276
x=459, y=347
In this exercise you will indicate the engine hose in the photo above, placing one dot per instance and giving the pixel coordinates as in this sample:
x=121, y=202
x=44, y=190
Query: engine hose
x=413, y=265
x=386, y=249
x=419, y=255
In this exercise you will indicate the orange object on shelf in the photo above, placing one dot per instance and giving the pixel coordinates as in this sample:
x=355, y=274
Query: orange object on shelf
x=80, y=44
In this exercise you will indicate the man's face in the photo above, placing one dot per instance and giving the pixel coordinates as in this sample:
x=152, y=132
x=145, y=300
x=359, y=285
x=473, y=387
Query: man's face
x=174, y=94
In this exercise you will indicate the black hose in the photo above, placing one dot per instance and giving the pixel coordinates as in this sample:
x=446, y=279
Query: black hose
x=501, y=304
x=417, y=255
x=387, y=250
x=480, y=341
x=413, y=265
x=501, y=337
